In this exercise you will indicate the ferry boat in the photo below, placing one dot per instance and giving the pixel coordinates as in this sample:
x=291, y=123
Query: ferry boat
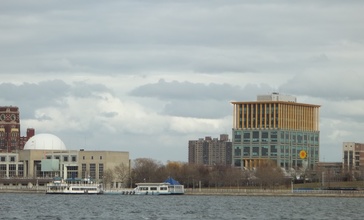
x=169, y=187
x=73, y=186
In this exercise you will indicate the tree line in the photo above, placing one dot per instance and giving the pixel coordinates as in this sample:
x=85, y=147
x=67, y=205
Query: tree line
x=195, y=175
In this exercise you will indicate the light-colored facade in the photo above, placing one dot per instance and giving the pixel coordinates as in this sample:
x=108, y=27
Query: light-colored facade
x=272, y=129
x=210, y=151
x=353, y=156
x=67, y=164
x=45, y=157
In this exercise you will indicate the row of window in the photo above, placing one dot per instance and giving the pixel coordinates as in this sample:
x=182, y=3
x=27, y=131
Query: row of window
x=272, y=150
x=91, y=172
x=67, y=157
x=14, y=170
x=5, y=158
x=272, y=136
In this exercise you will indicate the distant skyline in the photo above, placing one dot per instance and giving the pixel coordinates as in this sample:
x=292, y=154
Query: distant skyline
x=147, y=76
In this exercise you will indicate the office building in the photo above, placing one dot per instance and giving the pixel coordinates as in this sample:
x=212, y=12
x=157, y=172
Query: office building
x=275, y=128
x=353, y=156
x=210, y=151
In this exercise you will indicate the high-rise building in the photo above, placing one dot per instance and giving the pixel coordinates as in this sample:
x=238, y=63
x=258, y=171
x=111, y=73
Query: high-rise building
x=210, y=151
x=353, y=156
x=275, y=128
x=9, y=128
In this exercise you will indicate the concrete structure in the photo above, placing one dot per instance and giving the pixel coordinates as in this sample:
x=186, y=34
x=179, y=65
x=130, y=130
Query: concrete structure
x=210, y=151
x=275, y=128
x=45, y=156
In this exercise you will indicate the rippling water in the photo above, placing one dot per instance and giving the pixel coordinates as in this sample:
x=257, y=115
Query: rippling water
x=41, y=206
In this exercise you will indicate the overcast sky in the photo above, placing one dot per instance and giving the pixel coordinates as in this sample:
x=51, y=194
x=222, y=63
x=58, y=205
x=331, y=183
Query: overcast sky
x=146, y=76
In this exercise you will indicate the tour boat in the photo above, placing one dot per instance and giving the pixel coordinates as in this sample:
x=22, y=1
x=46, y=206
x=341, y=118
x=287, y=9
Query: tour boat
x=73, y=186
x=169, y=187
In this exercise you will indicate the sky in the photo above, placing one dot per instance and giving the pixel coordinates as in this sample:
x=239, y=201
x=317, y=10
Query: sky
x=147, y=76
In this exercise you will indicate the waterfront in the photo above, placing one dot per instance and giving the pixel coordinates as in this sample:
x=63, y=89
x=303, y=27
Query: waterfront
x=41, y=206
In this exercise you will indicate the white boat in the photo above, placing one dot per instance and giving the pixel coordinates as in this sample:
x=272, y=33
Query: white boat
x=169, y=187
x=73, y=186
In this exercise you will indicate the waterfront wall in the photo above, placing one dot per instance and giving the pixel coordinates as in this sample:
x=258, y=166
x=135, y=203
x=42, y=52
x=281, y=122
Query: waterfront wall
x=275, y=192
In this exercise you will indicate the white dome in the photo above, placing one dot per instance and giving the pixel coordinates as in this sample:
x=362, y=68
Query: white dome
x=44, y=142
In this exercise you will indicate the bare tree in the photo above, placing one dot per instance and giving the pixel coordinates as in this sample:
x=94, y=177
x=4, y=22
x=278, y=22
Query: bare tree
x=147, y=170
x=122, y=173
x=108, y=178
x=269, y=175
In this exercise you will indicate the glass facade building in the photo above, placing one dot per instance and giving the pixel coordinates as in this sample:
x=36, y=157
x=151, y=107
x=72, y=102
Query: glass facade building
x=276, y=131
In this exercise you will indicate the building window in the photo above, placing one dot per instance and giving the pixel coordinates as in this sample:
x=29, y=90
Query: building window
x=255, y=151
x=49, y=157
x=65, y=158
x=74, y=158
x=72, y=171
x=92, y=170
x=237, y=151
x=12, y=159
x=264, y=150
x=83, y=171
x=265, y=136
x=273, y=150
x=100, y=157
x=246, y=137
x=255, y=136
x=237, y=162
x=3, y=170
x=2, y=159
x=237, y=137
x=273, y=136
x=101, y=171
x=12, y=170
x=83, y=157
x=92, y=157
x=56, y=157
x=20, y=170
x=246, y=151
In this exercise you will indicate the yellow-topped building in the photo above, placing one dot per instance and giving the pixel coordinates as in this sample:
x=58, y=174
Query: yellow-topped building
x=275, y=127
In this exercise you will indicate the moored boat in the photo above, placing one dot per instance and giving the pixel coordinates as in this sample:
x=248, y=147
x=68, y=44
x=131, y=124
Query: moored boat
x=168, y=187
x=73, y=186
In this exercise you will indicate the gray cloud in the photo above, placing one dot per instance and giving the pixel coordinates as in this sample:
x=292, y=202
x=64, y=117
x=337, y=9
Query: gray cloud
x=32, y=96
x=208, y=36
x=80, y=62
x=198, y=91
x=345, y=85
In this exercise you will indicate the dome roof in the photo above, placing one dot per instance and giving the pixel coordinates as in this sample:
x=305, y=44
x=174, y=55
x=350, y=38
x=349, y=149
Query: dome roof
x=44, y=142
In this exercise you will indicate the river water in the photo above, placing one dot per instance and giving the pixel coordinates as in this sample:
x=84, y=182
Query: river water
x=41, y=206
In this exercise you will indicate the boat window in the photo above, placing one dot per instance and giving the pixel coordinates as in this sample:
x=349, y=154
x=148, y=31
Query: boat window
x=153, y=188
x=163, y=188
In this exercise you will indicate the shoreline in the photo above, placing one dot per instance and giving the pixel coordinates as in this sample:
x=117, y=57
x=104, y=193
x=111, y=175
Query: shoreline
x=313, y=193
